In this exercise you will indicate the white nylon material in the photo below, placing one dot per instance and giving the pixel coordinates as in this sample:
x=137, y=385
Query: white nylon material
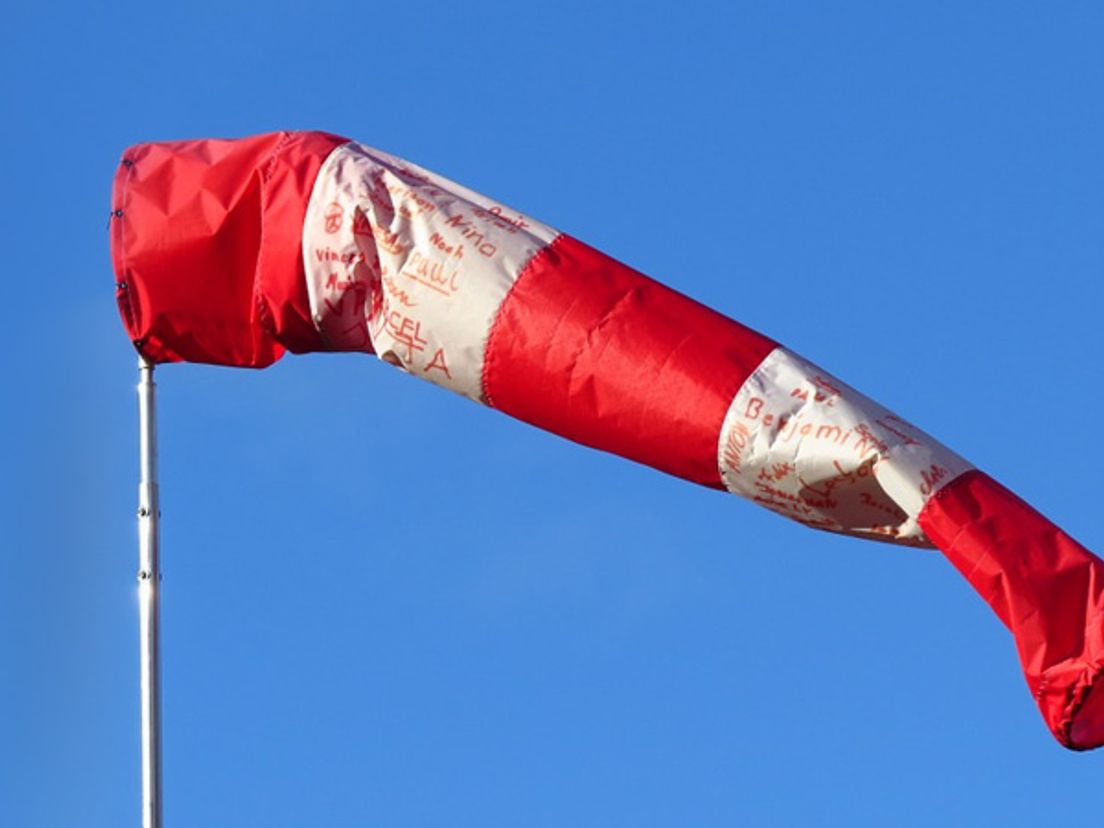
x=410, y=265
x=809, y=447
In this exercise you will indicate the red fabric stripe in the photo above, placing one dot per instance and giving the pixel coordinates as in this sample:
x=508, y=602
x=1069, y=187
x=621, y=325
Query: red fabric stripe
x=594, y=351
x=185, y=235
x=190, y=250
x=1046, y=587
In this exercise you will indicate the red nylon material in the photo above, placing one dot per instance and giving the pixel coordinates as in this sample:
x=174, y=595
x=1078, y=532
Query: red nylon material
x=188, y=220
x=588, y=348
x=1046, y=588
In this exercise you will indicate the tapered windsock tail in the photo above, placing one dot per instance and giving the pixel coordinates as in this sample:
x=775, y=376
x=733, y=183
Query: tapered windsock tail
x=234, y=251
x=1047, y=589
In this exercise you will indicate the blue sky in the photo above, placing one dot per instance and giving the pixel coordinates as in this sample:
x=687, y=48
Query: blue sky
x=387, y=606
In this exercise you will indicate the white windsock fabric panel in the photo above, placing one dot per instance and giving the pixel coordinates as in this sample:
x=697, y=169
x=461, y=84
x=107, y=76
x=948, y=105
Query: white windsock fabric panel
x=808, y=446
x=410, y=265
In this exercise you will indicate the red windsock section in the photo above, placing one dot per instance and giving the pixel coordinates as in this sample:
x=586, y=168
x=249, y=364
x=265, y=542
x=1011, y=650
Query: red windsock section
x=233, y=251
x=590, y=349
x=1047, y=589
x=196, y=278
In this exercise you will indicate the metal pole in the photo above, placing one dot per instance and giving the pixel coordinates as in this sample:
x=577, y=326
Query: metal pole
x=149, y=586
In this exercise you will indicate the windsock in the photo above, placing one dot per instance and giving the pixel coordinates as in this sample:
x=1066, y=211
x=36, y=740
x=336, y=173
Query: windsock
x=232, y=252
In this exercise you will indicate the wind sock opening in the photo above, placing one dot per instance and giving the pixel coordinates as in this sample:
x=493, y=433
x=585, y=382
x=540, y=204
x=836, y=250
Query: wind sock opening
x=1087, y=728
x=205, y=241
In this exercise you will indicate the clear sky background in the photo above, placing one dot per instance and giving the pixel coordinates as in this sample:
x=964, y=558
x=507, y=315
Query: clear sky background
x=387, y=606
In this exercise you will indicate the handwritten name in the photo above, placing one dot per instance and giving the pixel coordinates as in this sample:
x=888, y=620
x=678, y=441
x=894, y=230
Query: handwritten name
x=433, y=275
x=471, y=234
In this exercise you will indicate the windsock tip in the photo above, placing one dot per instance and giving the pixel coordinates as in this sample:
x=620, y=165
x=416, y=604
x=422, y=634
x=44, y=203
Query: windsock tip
x=1084, y=728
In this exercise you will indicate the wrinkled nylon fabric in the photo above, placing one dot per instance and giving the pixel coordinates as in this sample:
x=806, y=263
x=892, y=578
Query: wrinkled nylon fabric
x=199, y=230
x=1046, y=587
x=206, y=242
x=590, y=349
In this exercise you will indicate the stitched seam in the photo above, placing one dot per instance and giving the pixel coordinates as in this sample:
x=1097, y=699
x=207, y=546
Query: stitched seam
x=267, y=170
x=732, y=402
x=488, y=345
